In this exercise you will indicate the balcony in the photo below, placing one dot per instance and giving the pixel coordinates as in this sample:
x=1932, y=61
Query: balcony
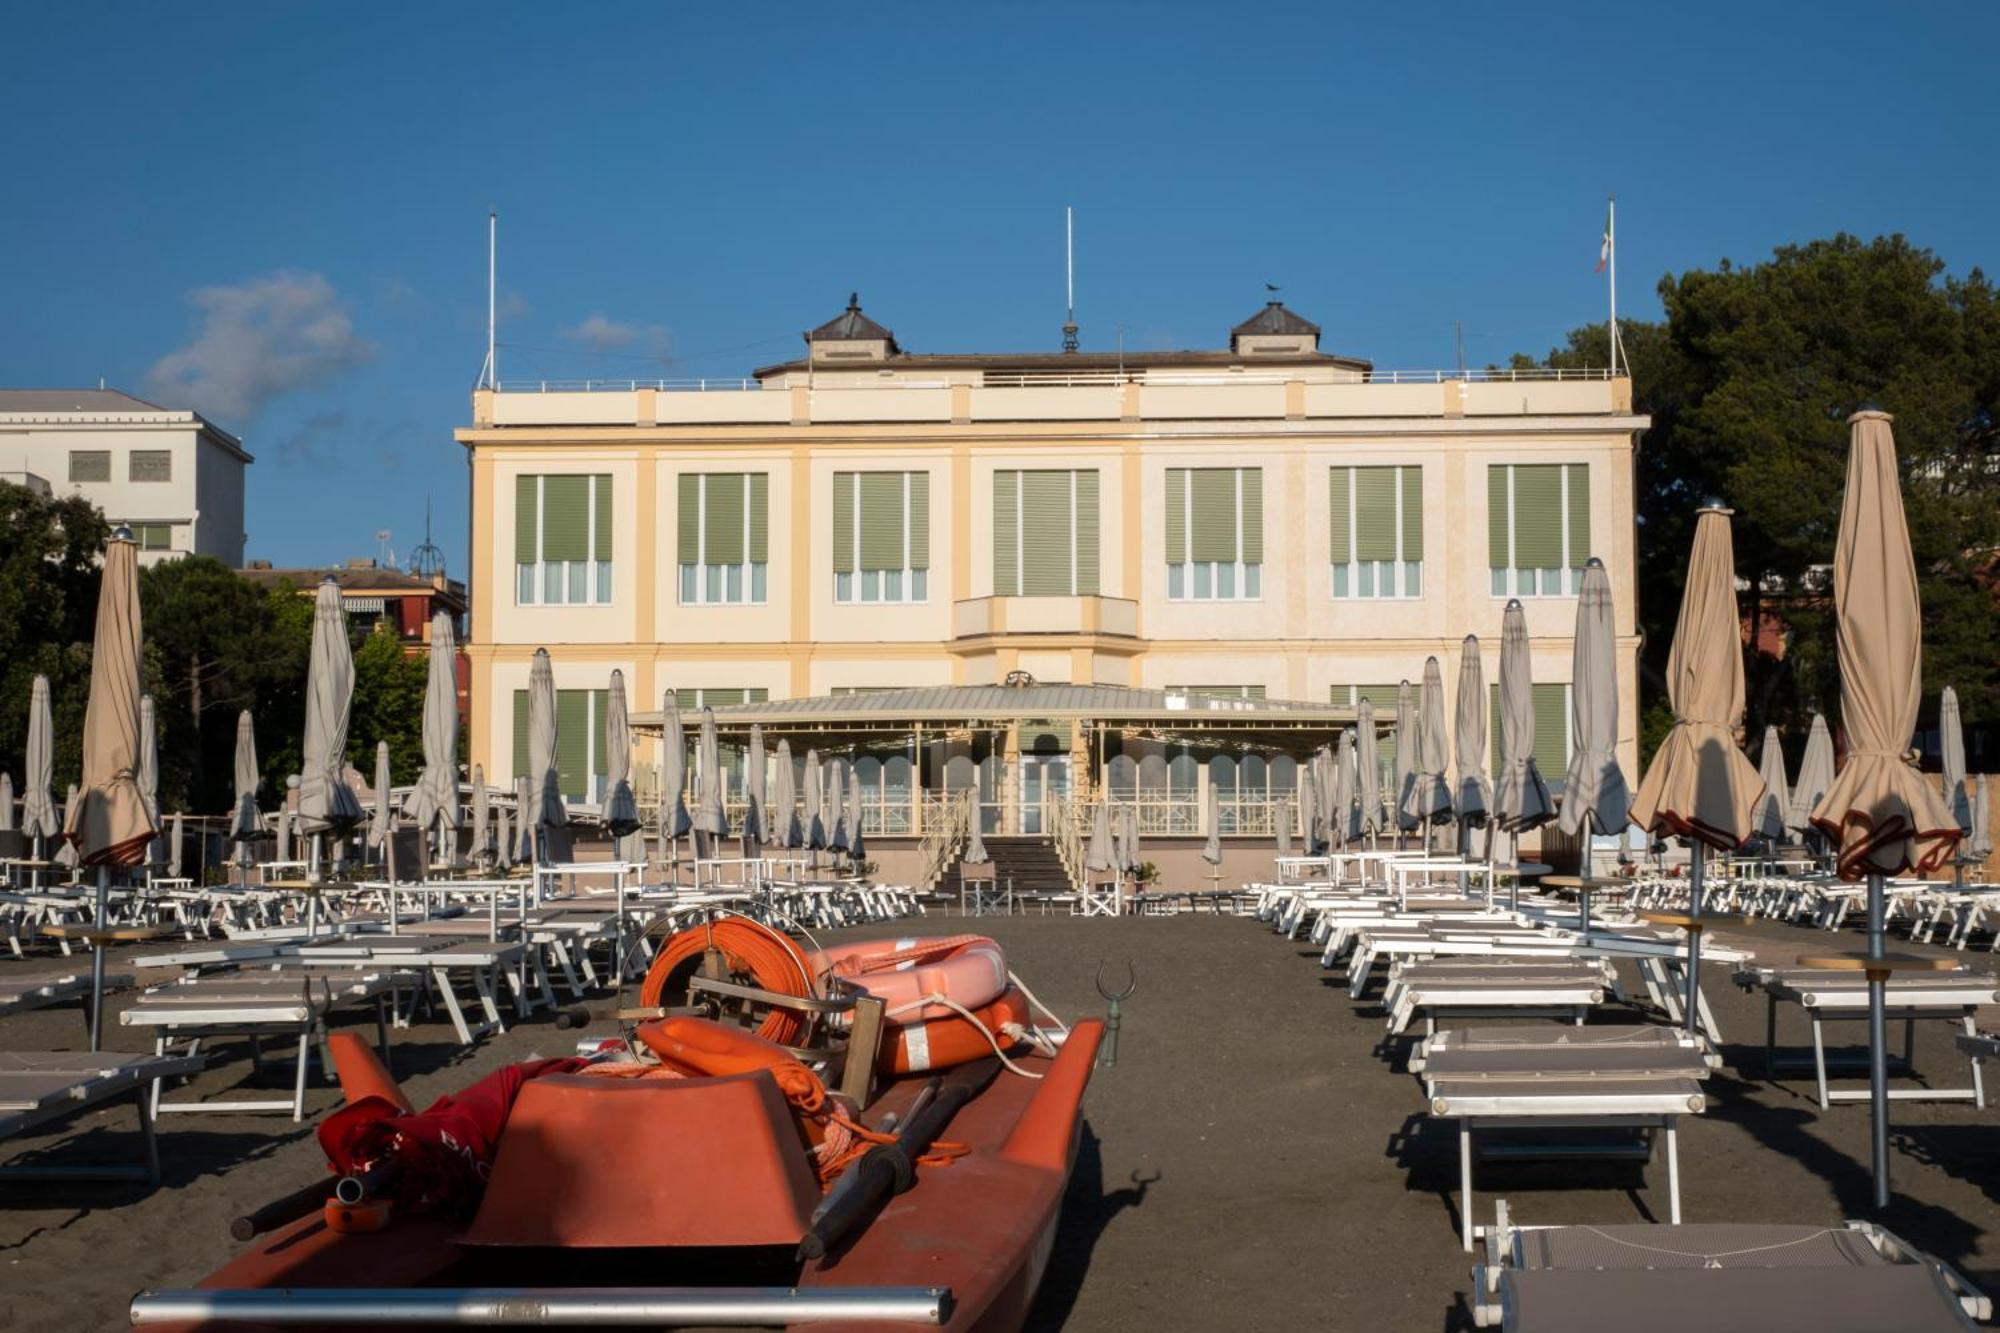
x=990, y=617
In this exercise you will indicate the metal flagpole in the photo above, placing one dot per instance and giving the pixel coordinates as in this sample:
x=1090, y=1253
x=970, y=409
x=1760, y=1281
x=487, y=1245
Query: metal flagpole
x=1611, y=244
x=492, y=300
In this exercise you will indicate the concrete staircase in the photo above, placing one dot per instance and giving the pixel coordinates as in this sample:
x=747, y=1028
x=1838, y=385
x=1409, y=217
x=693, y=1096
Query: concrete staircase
x=1030, y=861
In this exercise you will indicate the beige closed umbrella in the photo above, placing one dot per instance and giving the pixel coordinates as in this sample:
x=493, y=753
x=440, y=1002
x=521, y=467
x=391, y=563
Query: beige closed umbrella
x=1880, y=814
x=785, y=801
x=149, y=768
x=1979, y=844
x=755, y=818
x=834, y=805
x=621, y=807
x=327, y=805
x=1343, y=811
x=710, y=819
x=433, y=802
x=675, y=823
x=1406, y=758
x=545, y=819
x=857, y=834
x=245, y=824
x=66, y=854
x=1521, y=799
x=1309, y=820
x=814, y=827
x=1815, y=777
x=109, y=821
x=1701, y=787
x=1099, y=855
x=1777, y=798
x=38, y=801
x=1281, y=828
x=1429, y=798
x=382, y=823
x=1594, y=795
x=1211, y=818
x=1472, y=790
x=1951, y=750
x=1368, y=765
x=482, y=817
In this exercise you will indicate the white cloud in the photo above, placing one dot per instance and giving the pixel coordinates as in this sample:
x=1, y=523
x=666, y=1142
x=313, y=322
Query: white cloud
x=257, y=341
x=601, y=333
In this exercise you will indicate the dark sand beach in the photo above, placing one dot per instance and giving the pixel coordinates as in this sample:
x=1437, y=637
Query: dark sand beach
x=1253, y=1161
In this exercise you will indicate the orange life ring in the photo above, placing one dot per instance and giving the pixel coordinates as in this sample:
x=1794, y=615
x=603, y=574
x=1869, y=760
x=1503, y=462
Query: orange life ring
x=971, y=970
x=941, y=1043
x=698, y=1046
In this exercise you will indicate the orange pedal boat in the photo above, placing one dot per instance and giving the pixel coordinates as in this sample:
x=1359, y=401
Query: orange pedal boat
x=686, y=1193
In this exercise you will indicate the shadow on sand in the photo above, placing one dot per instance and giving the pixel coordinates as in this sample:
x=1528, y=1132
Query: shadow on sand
x=1087, y=1209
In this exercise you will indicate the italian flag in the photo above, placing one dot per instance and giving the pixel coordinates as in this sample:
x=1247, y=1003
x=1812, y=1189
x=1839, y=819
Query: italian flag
x=1604, y=250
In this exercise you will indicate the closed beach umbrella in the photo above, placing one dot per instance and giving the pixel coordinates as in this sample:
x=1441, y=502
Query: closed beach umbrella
x=1344, y=815
x=785, y=801
x=1309, y=807
x=1429, y=799
x=674, y=819
x=434, y=800
x=384, y=821
x=1521, y=798
x=1980, y=845
x=524, y=821
x=1134, y=854
x=38, y=805
x=149, y=755
x=110, y=823
x=833, y=805
x=1594, y=787
x=1880, y=813
x=1701, y=786
x=709, y=816
x=1815, y=777
x=1473, y=791
x=1368, y=765
x=1406, y=756
x=857, y=840
x=621, y=807
x=815, y=798
x=174, y=848
x=754, y=818
x=1211, y=816
x=287, y=818
x=326, y=803
x=547, y=810
x=6, y=802
x=245, y=825
x=66, y=853
x=1100, y=855
x=503, y=838
x=1777, y=798
x=975, y=842
x=1951, y=733
x=482, y=814
x=1281, y=827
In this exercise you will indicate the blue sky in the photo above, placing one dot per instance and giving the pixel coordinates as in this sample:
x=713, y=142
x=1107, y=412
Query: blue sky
x=276, y=214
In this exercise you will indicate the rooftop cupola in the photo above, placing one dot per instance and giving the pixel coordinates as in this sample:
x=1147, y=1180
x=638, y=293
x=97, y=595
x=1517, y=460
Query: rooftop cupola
x=851, y=336
x=1274, y=329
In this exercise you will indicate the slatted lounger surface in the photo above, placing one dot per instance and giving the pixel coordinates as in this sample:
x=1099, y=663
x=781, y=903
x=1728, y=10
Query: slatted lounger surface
x=20, y=994
x=1719, y=1277
x=1829, y=996
x=1490, y=987
x=37, y=1087
x=1605, y=1037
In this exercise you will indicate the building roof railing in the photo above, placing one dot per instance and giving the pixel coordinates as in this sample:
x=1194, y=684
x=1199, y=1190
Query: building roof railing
x=1056, y=379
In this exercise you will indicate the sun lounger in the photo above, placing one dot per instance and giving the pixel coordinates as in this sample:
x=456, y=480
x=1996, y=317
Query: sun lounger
x=1636, y=1086
x=1720, y=1277
x=1828, y=996
x=21, y=994
x=260, y=1006
x=1650, y=1040
x=38, y=1087
x=443, y=961
x=1501, y=987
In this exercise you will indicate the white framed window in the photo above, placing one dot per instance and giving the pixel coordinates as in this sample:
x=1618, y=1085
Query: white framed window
x=881, y=537
x=724, y=538
x=87, y=465
x=1375, y=522
x=153, y=536
x=562, y=539
x=1215, y=534
x=1537, y=528
x=150, y=465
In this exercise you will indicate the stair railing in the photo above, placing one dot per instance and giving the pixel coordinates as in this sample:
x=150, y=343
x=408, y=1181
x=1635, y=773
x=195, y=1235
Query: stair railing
x=945, y=833
x=1066, y=820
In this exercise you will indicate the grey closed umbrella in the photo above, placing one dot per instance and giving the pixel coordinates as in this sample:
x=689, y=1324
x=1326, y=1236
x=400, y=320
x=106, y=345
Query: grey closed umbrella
x=287, y=818
x=785, y=801
x=1211, y=816
x=1473, y=791
x=1521, y=798
x=548, y=812
x=174, y=848
x=834, y=804
x=245, y=825
x=1979, y=845
x=815, y=798
x=1101, y=854
x=1777, y=798
x=857, y=839
x=621, y=807
x=1324, y=804
x=6, y=802
x=709, y=817
x=524, y=821
x=326, y=803
x=1815, y=777
x=38, y=807
x=384, y=821
x=433, y=802
x=1281, y=828
x=503, y=838
x=1406, y=757
x=754, y=817
x=1951, y=738
x=1368, y=766
x=1134, y=854
x=674, y=819
x=1594, y=787
x=1343, y=820
x=1309, y=807
x=482, y=815
x=66, y=854
x=1429, y=799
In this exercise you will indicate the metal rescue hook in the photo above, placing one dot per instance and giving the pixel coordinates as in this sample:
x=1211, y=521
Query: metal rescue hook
x=1107, y=1051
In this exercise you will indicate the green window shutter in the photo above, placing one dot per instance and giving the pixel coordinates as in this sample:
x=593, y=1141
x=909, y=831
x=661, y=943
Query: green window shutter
x=600, y=537
x=689, y=541
x=1213, y=499
x=1340, y=549
x=1375, y=513
x=527, y=528
x=1579, y=514
x=521, y=733
x=881, y=520
x=1253, y=515
x=920, y=520
x=600, y=728
x=1048, y=535
x=573, y=742
x=565, y=518
x=722, y=528
x=1006, y=534
x=843, y=522
x=1538, y=516
x=760, y=518
x=1177, y=549
x=1497, y=526
x=1551, y=732
x=1413, y=514
x=1086, y=533
x=1382, y=696
x=1341, y=696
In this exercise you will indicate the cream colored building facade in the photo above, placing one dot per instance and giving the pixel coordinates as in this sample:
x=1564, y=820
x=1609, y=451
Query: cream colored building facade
x=1271, y=421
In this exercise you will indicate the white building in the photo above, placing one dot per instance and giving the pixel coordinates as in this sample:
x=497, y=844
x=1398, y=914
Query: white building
x=174, y=477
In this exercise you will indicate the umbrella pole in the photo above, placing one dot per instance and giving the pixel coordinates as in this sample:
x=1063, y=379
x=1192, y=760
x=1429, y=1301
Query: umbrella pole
x=1691, y=1019
x=97, y=959
x=1878, y=1044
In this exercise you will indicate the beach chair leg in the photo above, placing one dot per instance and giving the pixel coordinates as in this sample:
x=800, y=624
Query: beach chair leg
x=1978, y=1078
x=1465, y=1183
x=1770, y=1035
x=1673, y=1173
x=149, y=1142
x=482, y=983
x=1705, y=1018
x=441, y=982
x=382, y=1030
x=299, y=1074
x=1819, y=1062
x=153, y=1096
x=256, y=1054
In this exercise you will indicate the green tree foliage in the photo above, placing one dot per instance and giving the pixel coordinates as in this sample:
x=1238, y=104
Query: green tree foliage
x=1750, y=380
x=48, y=608
x=388, y=706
